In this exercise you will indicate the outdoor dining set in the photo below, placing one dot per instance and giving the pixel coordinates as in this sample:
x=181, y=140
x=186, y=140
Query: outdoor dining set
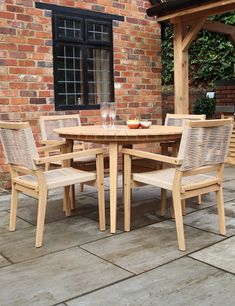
x=193, y=153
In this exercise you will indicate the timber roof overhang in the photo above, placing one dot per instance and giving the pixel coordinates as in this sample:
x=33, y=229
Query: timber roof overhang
x=179, y=8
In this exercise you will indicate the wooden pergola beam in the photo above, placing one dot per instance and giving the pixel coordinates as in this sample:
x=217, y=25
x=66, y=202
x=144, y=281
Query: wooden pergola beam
x=210, y=9
x=219, y=27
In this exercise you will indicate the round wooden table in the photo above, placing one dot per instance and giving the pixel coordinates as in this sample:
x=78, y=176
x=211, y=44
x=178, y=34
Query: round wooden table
x=114, y=137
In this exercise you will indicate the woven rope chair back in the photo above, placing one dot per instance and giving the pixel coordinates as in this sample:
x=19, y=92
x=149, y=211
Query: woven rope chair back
x=49, y=123
x=179, y=120
x=19, y=146
x=202, y=146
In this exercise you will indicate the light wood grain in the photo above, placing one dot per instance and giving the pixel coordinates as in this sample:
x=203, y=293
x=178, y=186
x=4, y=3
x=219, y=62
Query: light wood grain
x=119, y=136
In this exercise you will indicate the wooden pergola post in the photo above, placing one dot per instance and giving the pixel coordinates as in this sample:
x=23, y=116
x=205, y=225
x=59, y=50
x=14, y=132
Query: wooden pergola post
x=181, y=83
x=184, y=33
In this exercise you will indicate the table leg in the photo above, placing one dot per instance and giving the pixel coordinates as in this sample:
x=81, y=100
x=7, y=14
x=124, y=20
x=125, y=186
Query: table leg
x=113, y=174
x=71, y=192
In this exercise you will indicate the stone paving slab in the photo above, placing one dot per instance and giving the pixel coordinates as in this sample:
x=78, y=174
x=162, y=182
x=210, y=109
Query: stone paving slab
x=229, y=185
x=221, y=255
x=146, y=248
x=4, y=222
x=20, y=245
x=143, y=213
x=54, y=210
x=207, y=219
x=180, y=283
x=54, y=278
x=5, y=201
x=209, y=199
x=229, y=172
x=3, y=262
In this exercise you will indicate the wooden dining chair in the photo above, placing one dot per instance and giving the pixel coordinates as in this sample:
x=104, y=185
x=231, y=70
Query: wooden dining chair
x=28, y=175
x=48, y=137
x=198, y=169
x=171, y=147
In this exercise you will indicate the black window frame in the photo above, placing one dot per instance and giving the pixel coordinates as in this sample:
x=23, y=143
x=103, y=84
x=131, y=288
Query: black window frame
x=84, y=43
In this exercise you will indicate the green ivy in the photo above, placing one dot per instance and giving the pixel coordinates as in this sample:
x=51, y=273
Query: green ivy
x=211, y=55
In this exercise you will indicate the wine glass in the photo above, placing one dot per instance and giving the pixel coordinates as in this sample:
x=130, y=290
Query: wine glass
x=104, y=113
x=112, y=113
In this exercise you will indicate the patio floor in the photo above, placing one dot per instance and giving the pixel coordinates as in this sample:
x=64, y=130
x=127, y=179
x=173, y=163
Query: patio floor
x=79, y=265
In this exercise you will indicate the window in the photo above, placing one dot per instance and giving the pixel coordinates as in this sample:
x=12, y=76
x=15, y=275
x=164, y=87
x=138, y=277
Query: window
x=83, y=61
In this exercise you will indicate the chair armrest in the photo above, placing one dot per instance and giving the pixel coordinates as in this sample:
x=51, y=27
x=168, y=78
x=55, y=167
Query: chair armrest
x=52, y=147
x=153, y=156
x=66, y=156
x=52, y=142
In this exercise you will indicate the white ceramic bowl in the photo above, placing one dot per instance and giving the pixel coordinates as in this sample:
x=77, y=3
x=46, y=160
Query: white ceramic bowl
x=145, y=124
x=133, y=124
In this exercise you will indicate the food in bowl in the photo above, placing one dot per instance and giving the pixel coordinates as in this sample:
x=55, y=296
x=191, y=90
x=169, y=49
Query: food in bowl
x=145, y=124
x=133, y=124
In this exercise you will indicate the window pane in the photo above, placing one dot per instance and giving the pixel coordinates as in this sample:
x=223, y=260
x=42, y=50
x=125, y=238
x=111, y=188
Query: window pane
x=69, y=74
x=98, y=32
x=69, y=29
x=98, y=63
x=83, y=66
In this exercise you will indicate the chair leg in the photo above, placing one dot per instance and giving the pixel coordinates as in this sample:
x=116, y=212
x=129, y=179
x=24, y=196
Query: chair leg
x=41, y=218
x=220, y=207
x=163, y=202
x=100, y=186
x=14, y=204
x=72, y=196
x=179, y=220
x=81, y=187
x=199, y=200
x=183, y=207
x=67, y=201
x=127, y=193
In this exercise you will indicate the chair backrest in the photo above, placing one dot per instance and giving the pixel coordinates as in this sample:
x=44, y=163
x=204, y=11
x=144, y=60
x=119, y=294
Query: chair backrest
x=18, y=144
x=179, y=119
x=49, y=123
x=204, y=142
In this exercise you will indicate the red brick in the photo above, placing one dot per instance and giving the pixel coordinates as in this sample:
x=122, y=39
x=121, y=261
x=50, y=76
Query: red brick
x=26, y=63
x=7, y=15
x=17, y=55
x=4, y=101
x=28, y=3
x=18, y=85
x=14, y=8
x=34, y=41
x=19, y=101
x=26, y=48
x=17, y=70
x=8, y=62
x=24, y=17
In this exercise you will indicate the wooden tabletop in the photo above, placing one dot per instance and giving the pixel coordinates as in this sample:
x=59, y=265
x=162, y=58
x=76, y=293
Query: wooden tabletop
x=121, y=134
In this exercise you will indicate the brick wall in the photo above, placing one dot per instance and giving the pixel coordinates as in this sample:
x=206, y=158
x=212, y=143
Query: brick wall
x=224, y=93
x=168, y=99
x=26, y=72
x=225, y=96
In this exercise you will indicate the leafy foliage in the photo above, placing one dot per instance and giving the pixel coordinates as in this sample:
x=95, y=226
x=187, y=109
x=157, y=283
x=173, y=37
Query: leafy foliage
x=204, y=105
x=211, y=55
